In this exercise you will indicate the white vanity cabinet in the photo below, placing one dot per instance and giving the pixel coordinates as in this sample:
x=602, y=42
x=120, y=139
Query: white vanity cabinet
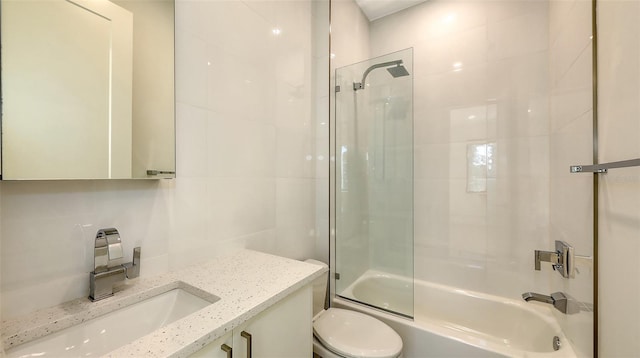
x=283, y=330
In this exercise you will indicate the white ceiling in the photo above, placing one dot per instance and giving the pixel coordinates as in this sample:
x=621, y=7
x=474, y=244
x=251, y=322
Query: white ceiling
x=375, y=9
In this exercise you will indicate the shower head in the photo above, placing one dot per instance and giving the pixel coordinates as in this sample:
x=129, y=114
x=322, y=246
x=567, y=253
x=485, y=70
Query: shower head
x=397, y=71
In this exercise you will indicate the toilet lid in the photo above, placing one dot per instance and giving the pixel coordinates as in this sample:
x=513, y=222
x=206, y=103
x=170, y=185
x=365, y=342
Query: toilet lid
x=355, y=335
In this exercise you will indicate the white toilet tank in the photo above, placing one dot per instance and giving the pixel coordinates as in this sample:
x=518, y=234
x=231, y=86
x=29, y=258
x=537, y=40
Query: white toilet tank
x=319, y=288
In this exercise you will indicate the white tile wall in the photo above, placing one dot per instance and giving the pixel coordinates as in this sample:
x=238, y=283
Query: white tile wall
x=619, y=209
x=480, y=77
x=246, y=161
x=571, y=195
x=321, y=60
x=347, y=18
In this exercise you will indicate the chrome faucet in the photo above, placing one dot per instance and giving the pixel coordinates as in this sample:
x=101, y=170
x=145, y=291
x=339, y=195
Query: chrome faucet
x=557, y=299
x=108, y=267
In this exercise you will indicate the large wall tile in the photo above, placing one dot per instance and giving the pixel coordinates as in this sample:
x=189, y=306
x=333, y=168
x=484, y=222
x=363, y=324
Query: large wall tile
x=240, y=148
x=619, y=209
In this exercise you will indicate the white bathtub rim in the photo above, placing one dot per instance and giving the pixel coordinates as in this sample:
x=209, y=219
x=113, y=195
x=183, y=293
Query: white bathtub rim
x=457, y=333
x=543, y=311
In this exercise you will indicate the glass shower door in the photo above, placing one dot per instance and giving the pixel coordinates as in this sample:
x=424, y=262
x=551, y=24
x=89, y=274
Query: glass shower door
x=374, y=182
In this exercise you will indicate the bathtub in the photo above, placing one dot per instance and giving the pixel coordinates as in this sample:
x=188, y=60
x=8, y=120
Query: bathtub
x=450, y=322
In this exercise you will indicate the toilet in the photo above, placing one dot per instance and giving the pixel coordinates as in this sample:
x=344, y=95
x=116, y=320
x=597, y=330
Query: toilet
x=340, y=333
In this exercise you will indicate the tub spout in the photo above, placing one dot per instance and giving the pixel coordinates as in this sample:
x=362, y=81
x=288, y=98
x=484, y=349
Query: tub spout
x=532, y=296
x=557, y=299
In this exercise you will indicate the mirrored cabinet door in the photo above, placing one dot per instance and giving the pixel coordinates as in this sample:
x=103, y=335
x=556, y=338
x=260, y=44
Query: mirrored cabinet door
x=87, y=89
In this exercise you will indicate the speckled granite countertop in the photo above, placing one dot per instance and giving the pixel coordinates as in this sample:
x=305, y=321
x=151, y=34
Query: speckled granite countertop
x=247, y=283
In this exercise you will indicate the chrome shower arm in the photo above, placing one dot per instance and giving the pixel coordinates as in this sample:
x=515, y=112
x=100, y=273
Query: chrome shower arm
x=360, y=85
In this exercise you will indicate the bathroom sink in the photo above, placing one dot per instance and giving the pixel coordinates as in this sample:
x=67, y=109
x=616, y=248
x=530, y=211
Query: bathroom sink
x=115, y=329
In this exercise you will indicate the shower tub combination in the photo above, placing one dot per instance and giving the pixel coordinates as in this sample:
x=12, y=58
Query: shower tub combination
x=451, y=322
x=374, y=207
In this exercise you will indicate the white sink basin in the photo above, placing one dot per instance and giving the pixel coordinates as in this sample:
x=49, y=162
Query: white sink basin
x=115, y=329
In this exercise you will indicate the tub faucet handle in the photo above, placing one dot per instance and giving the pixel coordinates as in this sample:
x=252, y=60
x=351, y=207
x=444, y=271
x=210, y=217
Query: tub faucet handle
x=546, y=256
x=562, y=260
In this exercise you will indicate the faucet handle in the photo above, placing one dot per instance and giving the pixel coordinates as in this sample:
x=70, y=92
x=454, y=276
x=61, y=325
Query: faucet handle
x=561, y=260
x=546, y=256
x=133, y=267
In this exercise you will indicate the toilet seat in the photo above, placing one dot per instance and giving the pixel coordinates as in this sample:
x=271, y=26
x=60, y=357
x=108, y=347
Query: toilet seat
x=356, y=335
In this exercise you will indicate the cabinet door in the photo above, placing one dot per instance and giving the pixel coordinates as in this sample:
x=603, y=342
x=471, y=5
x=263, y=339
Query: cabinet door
x=66, y=87
x=214, y=349
x=284, y=330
